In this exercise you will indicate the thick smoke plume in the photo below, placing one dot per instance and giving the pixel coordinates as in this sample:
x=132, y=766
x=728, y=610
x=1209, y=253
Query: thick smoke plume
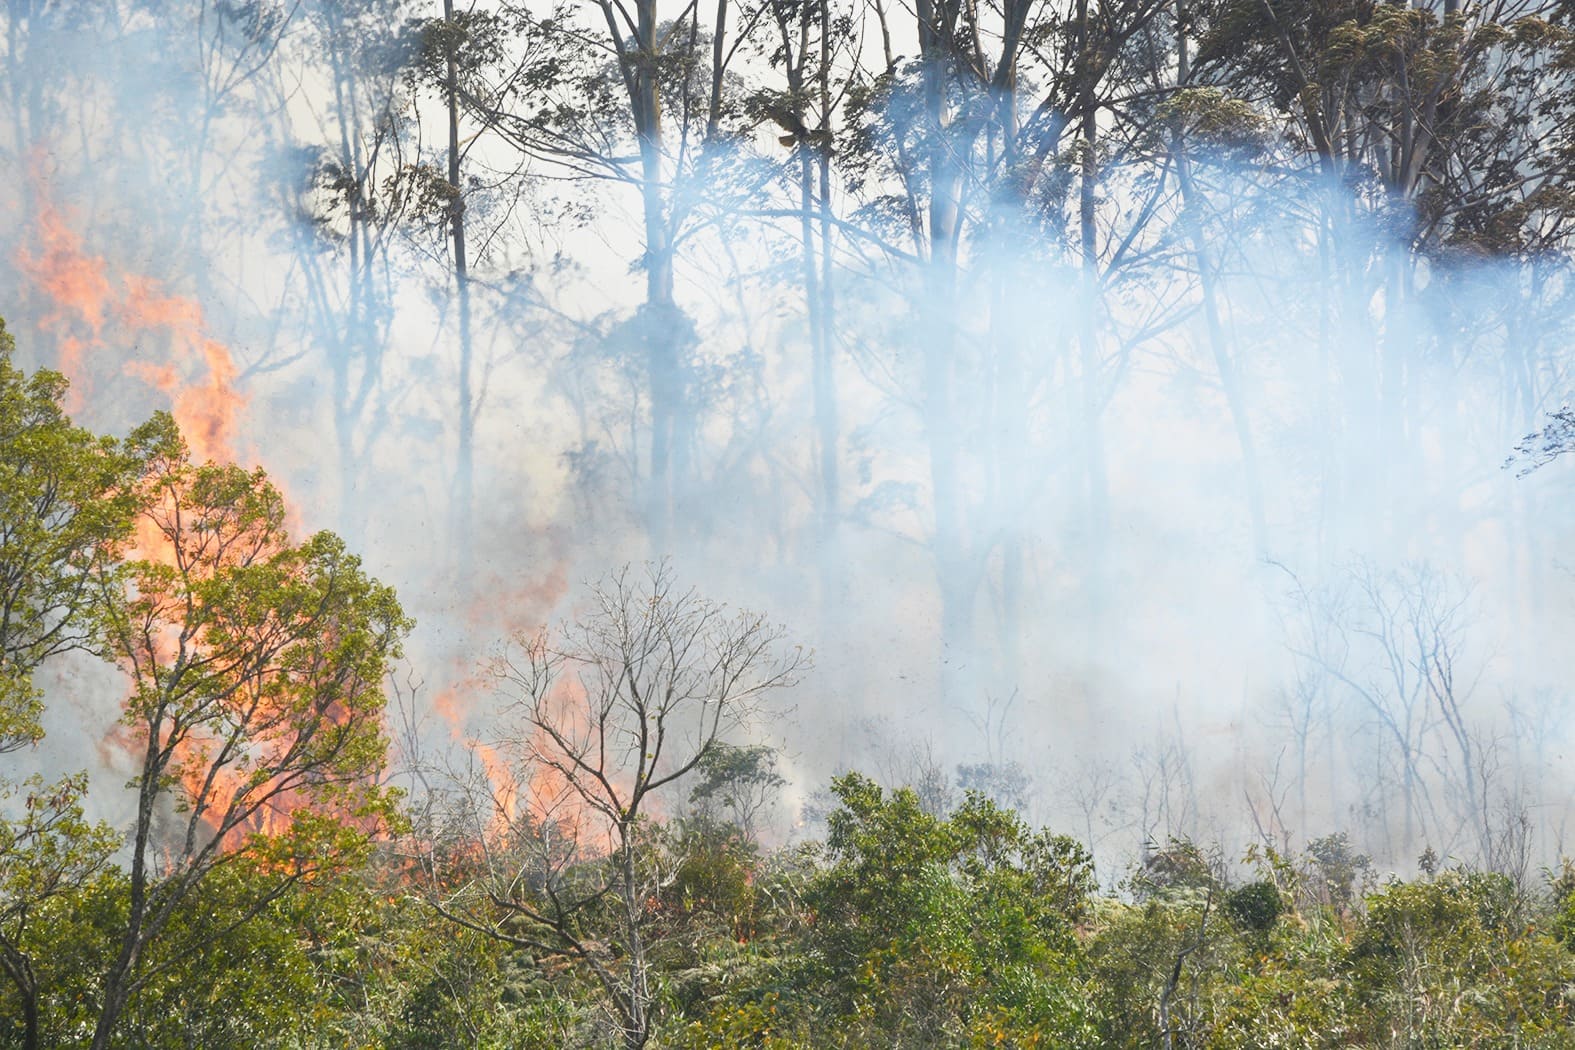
x=1150, y=478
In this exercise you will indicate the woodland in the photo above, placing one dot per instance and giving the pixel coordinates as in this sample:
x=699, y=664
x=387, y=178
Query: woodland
x=786, y=523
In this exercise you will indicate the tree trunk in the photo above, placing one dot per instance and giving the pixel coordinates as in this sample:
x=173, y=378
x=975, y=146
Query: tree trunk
x=117, y=982
x=19, y=969
x=938, y=338
x=827, y=428
x=661, y=323
x=464, y=466
x=1230, y=380
x=1088, y=342
x=637, y=1019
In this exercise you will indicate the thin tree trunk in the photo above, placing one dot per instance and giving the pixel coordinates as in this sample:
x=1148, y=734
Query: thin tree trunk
x=1092, y=372
x=660, y=325
x=1230, y=380
x=827, y=413
x=956, y=583
x=19, y=969
x=637, y=1025
x=464, y=466
x=117, y=982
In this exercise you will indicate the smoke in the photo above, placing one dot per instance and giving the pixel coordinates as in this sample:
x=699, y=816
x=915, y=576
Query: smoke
x=1157, y=491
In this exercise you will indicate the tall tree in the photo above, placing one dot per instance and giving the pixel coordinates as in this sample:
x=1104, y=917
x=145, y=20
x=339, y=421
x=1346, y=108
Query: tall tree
x=613, y=94
x=344, y=187
x=967, y=184
x=255, y=716
x=67, y=502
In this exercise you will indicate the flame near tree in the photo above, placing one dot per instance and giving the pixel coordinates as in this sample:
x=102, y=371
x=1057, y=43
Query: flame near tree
x=608, y=713
x=256, y=710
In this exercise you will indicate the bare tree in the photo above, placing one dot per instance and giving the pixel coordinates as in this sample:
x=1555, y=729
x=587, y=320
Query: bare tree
x=1166, y=791
x=1095, y=787
x=608, y=712
x=1395, y=643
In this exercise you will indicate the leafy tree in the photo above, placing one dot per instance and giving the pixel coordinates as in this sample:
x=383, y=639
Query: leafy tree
x=1254, y=907
x=1450, y=961
x=738, y=782
x=613, y=94
x=932, y=931
x=67, y=502
x=47, y=854
x=344, y=185
x=219, y=984
x=255, y=716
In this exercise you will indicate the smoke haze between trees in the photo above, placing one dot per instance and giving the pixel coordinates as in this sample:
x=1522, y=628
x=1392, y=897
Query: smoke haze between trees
x=1144, y=522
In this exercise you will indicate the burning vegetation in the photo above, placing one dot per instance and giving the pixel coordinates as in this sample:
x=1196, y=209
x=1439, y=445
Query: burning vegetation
x=1113, y=397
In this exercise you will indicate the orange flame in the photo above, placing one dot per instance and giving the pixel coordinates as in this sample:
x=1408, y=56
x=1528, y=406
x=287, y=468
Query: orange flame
x=501, y=781
x=83, y=301
x=206, y=410
x=522, y=787
x=94, y=317
x=74, y=283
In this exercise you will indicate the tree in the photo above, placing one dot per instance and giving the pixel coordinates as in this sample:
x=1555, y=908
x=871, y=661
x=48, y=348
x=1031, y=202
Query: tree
x=1394, y=644
x=1419, y=140
x=256, y=667
x=738, y=782
x=947, y=930
x=808, y=38
x=47, y=853
x=344, y=187
x=609, y=92
x=1543, y=446
x=67, y=500
x=608, y=714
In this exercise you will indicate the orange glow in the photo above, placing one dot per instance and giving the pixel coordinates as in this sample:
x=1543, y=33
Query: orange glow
x=524, y=791
x=75, y=284
x=216, y=790
x=104, y=321
x=520, y=602
x=95, y=318
x=206, y=408
x=503, y=786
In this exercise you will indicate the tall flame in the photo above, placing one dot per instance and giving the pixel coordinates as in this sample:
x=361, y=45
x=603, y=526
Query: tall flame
x=524, y=792
x=95, y=314
x=85, y=305
x=75, y=285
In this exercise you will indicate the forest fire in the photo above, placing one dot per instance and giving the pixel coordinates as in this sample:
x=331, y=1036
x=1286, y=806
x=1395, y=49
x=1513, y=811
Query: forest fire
x=74, y=284
x=501, y=783
x=525, y=789
x=92, y=315
x=991, y=523
x=207, y=409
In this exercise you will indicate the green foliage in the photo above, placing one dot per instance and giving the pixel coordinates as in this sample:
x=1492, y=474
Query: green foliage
x=257, y=664
x=1177, y=867
x=48, y=851
x=257, y=669
x=1335, y=871
x=67, y=502
x=1254, y=907
x=226, y=975
x=736, y=781
x=940, y=931
x=1450, y=94
x=1451, y=961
